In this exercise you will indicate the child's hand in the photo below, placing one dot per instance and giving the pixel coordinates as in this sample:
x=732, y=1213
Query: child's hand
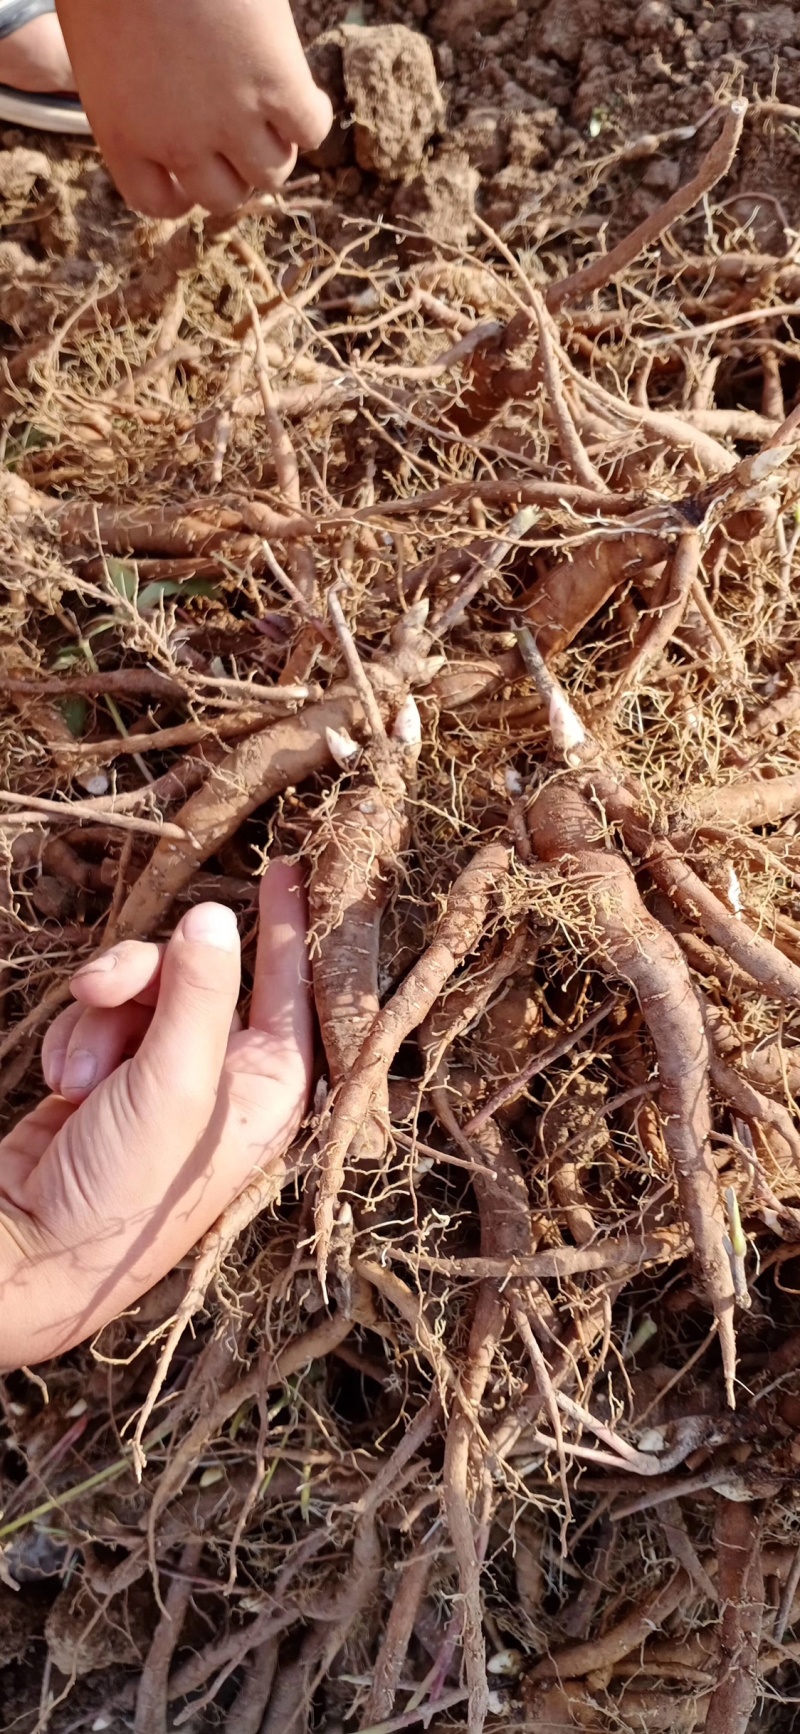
x=194, y=102
x=113, y=1178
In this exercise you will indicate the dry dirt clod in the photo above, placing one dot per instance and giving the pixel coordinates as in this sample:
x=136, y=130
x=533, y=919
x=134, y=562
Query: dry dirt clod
x=391, y=94
x=440, y=202
x=82, y=1640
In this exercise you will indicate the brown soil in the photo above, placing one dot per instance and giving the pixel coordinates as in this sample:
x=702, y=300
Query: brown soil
x=501, y=1484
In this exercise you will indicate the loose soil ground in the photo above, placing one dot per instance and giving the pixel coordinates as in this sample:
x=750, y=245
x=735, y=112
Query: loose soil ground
x=484, y=442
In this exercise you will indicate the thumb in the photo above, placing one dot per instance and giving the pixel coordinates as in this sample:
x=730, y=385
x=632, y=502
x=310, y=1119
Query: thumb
x=181, y=1057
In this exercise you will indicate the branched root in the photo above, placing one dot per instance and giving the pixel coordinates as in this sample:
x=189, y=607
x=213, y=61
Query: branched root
x=459, y=931
x=612, y=922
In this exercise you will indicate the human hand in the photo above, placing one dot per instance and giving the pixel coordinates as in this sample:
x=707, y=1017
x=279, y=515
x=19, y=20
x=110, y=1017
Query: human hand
x=117, y=1174
x=193, y=102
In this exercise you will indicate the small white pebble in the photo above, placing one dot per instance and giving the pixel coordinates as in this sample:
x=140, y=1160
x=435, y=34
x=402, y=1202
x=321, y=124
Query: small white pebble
x=513, y=782
x=97, y=784
x=651, y=1440
x=507, y=1663
x=100, y=1722
x=496, y=1704
x=77, y=1409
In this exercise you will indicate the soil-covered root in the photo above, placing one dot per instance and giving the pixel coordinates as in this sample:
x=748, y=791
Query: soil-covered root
x=597, y=1654
x=506, y=1232
x=400, y=1623
x=748, y=801
x=711, y=169
x=351, y=882
x=622, y=800
x=656, y=634
x=605, y=910
x=497, y=377
x=252, y=773
x=775, y=973
x=459, y=930
x=262, y=1192
x=740, y=1579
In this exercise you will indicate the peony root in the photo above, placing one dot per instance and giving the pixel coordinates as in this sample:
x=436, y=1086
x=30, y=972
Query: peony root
x=506, y=1232
x=256, y=770
x=750, y=801
x=572, y=448
x=351, y=883
x=608, y=266
x=370, y=1047
x=263, y=1190
x=631, y=1633
x=775, y=974
x=150, y=1716
x=397, y=1636
x=561, y=603
x=738, y=1535
x=612, y=923
x=350, y=886
x=657, y=633
x=623, y=803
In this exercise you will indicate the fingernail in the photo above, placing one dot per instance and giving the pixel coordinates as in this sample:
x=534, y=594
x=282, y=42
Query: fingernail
x=101, y=965
x=212, y=924
x=80, y=1071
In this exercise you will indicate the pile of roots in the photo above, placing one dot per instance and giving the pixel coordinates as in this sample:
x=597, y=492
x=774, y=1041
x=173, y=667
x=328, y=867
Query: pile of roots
x=467, y=579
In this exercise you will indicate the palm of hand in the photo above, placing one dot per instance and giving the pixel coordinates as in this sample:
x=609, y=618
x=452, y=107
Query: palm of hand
x=106, y=1184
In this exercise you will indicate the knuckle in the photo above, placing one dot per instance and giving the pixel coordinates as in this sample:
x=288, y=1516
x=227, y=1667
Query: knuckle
x=191, y=1096
x=206, y=978
x=315, y=124
x=133, y=956
x=158, y=202
x=181, y=162
x=313, y=133
x=279, y=172
x=269, y=166
x=220, y=204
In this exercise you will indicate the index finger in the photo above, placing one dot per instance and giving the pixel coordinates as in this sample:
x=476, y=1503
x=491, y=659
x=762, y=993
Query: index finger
x=130, y=970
